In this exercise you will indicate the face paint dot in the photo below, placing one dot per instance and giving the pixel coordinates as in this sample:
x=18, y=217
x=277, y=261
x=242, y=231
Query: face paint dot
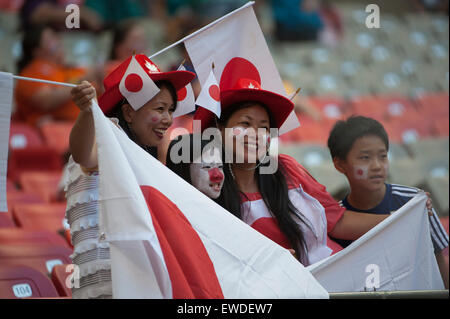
x=155, y=119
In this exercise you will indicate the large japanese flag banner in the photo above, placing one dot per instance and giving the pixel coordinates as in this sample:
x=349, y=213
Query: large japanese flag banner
x=6, y=97
x=168, y=240
x=236, y=43
x=397, y=254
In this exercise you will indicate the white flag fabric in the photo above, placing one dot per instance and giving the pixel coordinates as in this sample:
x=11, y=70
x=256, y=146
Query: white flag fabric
x=6, y=98
x=136, y=85
x=186, y=99
x=168, y=240
x=237, y=43
x=209, y=97
x=397, y=254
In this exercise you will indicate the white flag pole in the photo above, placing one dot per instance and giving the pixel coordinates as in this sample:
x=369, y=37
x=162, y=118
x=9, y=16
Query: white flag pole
x=43, y=81
x=248, y=4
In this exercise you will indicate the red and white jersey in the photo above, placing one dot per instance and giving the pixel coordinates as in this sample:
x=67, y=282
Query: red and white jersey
x=311, y=199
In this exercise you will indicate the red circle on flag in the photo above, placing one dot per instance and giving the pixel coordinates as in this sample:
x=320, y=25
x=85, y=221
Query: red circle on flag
x=359, y=172
x=214, y=92
x=238, y=68
x=133, y=82
x=181, y=94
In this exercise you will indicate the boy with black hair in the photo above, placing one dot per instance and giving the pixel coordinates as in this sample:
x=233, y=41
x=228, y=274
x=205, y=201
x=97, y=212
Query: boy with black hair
x=359, y=148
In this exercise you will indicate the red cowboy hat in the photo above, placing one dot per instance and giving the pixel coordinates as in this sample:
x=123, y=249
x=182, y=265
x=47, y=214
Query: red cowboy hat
x=112, y=95
x=248, y=90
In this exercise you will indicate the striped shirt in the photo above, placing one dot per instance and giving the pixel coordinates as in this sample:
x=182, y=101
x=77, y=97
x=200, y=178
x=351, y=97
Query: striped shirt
x=396, y=196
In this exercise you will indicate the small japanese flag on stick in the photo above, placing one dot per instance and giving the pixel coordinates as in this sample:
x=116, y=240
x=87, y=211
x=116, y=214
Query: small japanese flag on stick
x=136, y=86
x=186, y=99
x=209, y=97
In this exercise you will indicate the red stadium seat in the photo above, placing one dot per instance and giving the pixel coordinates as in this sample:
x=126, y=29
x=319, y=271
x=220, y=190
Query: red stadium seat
x=6, y=220
x=398, y=108
x=59, y=279
x=43, y=184
x=18, y=236
x=24, y=282
x=33, y=159
x=433, y=105
x=368, y=106
x=56, y=135
x=315, y=132
x=441, y=126
x=330, y=107
x=20, y=197
x=24, y=136
x=40, y=216
x=39, y=257
x=10, y=185
x=407, y=132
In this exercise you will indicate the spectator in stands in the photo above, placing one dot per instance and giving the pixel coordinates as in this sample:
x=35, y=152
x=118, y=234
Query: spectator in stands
x=203, y=170
x=43, y=57
x=288, y=206
x=306, y=20
x=129, y=37
x=359, y=148
x=53, y=13
x=144, y=124
x=112, y=12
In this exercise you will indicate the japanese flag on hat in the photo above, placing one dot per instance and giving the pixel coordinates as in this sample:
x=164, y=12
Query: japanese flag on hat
x=186, y=98
x=136, y=85
x=209, y=97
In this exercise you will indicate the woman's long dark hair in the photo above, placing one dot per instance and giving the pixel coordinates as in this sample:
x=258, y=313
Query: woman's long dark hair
x=274, y=192
x=116, y=112
x=31, y=40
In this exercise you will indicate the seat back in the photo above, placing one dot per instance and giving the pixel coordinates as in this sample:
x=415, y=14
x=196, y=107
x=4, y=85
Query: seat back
x=24, y=282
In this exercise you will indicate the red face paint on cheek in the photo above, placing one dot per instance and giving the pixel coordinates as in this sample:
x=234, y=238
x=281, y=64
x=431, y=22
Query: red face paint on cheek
x=155, y=119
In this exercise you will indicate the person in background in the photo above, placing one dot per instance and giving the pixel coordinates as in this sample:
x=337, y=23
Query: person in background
x=204, y=171
x=145, y=124
x=359, y=147
x=43, y=58
x=53, y=13
x=128, y=37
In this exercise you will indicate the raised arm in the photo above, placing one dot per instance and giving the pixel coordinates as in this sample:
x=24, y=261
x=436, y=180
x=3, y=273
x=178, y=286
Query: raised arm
x=353, y=225
x=82, y=137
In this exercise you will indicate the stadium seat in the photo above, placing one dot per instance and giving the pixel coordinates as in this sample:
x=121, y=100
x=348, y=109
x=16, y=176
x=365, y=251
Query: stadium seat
x=43, y=184
x=432, y=154
x=33, y=159
x=441, y=127
x=18, y=236
x=24, y=136
x=315, y=132
x=434, y=105
x=40, y=216
x=39, y=257
x=335, y=182
x=18, y=196
x=407, y=132
x=6, y=220
x=10, y=185
x=367, y=106
x=24, y=282
x=56, y=135
x=59, y=277
x=330, y=108
x=406, y=171
x=397, y=152
x=308, y=155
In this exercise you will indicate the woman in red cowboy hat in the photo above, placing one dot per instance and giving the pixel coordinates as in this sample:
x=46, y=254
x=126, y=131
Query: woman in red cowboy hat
x=287, y=205
x=144, y=118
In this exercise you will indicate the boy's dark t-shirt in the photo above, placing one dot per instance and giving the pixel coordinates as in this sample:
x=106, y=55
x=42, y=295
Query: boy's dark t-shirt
x=396, y=196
